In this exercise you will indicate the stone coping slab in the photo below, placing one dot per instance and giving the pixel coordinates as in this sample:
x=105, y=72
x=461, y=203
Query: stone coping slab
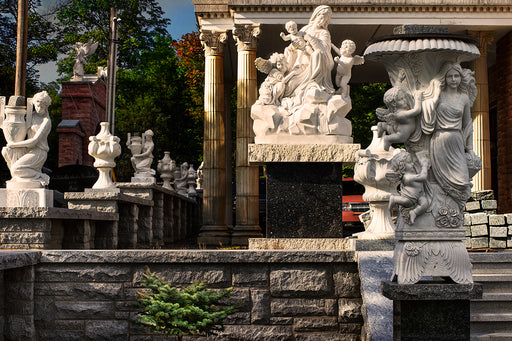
x=431, y=290
x=265, y=153
x=349, y=244
x=54, y=213
x=107, y=196
x=196, y=256
x=18, y=259
x=149, y=186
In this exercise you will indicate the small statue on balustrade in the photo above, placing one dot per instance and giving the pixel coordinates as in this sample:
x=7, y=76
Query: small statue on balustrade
x=399, y=118
x=180, y=179
x=26, y=134
x=142, y=154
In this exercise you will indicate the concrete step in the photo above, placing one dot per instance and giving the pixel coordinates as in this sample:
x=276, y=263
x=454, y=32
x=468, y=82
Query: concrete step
x=494, y=283
x=491, y=262
x=492, y=337
x=487, y=323
x=492, y=303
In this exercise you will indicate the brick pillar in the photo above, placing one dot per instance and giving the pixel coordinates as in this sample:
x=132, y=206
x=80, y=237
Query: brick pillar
x=83, y=108
x=504, y=97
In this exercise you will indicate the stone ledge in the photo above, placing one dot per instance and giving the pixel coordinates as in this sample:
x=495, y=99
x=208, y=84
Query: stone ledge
x=264, y=153
x=104, y=196
x=148, y=186
x=18, y=259
x=196, y=256
x=431, y=291
x=54, y=213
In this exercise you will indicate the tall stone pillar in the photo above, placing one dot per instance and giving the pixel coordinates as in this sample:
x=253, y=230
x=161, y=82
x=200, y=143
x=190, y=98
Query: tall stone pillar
x=214, y=229
x=247, y=198
x=480, y=113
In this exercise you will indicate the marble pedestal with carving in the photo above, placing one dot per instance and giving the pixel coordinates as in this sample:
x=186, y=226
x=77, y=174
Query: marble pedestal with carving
x=304, y=188
x=431, y=310
x=29, y=197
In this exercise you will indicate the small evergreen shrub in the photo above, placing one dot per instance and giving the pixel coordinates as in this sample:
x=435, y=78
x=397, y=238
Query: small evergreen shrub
x=193, y=310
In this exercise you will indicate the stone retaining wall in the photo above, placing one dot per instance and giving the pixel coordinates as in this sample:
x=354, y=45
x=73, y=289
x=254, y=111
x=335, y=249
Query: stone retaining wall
x=285, y=295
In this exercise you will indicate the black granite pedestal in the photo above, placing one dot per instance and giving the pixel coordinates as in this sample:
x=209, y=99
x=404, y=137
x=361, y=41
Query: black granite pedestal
x=304, y=200
x=431, y=310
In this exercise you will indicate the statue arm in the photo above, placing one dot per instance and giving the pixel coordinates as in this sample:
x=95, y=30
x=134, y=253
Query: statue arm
x=151, y=146
x=42, y=133
x=336, y=49
x=416, y=109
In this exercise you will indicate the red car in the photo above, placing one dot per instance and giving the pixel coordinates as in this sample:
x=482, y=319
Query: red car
x=353, y=205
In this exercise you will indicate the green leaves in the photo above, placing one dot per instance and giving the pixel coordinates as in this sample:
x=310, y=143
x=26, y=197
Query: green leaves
x=193, y=310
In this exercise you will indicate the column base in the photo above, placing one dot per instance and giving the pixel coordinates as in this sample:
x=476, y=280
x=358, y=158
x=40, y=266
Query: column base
x=214, y=235
x=242, y=233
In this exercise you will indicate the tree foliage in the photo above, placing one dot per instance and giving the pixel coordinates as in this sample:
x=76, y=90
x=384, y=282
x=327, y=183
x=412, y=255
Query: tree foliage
x=42, y=39
x=193, y=310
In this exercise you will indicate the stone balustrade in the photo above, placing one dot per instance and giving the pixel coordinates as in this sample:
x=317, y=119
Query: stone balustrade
x=134, y=215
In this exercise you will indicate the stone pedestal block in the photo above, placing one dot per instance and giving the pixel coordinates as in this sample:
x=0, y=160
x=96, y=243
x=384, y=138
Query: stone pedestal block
x=431, y=310
x=34, y=197
x=304, y=188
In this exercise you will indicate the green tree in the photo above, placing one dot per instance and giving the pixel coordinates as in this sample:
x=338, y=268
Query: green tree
x=81, y=20
x=43, y=45
x=193, y=310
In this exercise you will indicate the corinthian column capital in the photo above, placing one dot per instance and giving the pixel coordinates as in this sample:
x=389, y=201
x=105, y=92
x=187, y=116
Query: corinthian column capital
x=485, y=38
x=246, y=36
x=213, y=41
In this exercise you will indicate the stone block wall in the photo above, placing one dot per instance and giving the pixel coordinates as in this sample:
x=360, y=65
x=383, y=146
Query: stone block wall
x=485, y=228
x=285, y=295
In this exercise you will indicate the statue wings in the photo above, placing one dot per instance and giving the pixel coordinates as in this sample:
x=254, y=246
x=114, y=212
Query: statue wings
x=87, y=48
x=263, y=65
x=384, y=115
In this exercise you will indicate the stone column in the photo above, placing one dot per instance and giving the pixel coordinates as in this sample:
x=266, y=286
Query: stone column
x=247, y=198
x=480, y=113
x=214, y=229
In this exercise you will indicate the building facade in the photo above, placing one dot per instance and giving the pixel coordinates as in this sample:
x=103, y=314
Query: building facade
x=236, y=32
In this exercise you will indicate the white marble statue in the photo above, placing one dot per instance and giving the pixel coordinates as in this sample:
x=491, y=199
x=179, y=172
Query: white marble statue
x=104, y=148
x=345, y=60
x=26, y=133
x=199, y=180
x=142, y=156
x=82, y=50
x=298, y=97
x=191, y=181
x=429, y=111
x=166, y=168
x=180, y=179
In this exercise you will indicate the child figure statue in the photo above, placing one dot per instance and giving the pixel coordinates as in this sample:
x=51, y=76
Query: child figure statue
x=412, y=198
x=345, y=60
x=400, y=119
x=297, y=41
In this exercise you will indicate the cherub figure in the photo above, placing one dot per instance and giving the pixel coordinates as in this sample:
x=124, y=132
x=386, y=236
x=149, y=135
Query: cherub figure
x=399, y=119
x=297, y=41
x=345, y=61
x=272, y=88
x=411, y=197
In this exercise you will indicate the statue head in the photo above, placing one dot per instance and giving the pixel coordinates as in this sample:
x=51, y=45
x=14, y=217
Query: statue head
x=291, y=27
x=148, y=133
x=393, y=99
x=348, y=46
x=41, y=101
x=467, y=79
x=321, y=16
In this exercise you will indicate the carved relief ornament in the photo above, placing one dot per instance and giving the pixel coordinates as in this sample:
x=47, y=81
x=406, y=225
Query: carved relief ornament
x=213, y=41
x=246, y=36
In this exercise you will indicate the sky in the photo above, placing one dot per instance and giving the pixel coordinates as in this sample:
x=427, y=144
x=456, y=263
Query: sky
x=183, y=20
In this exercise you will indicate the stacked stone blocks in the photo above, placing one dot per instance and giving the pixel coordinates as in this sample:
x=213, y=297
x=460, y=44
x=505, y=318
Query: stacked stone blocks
x=485, y=228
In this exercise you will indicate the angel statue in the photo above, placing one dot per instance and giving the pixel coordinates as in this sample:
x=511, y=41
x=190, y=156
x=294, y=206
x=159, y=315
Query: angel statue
x=399, y=119
x=412, y=200
x=82, y=50
x=345, y=61
x=272, y=89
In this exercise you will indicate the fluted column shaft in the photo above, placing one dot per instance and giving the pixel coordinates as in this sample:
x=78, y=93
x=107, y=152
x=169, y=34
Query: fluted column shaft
x=214, y=229
x=247, y=189
x=480, y=113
